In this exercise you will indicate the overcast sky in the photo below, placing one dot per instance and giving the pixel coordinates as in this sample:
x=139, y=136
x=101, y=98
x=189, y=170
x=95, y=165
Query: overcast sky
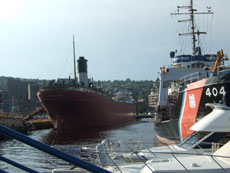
x=120, y=38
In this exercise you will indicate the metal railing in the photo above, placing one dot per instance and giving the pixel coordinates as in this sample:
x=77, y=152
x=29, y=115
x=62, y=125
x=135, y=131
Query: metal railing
x=189, y=78
x=139, y=149
x=161, y=155
x=46, y=148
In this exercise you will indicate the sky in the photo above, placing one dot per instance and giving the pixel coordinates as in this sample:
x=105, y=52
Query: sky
x=120, y=38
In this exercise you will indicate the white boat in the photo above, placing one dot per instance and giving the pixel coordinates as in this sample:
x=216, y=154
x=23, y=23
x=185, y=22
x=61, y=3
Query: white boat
x=211, y=133
x=176, y=158
x=166, y=162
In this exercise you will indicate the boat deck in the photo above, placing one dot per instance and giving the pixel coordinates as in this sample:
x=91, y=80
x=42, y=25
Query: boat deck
x=138, y=153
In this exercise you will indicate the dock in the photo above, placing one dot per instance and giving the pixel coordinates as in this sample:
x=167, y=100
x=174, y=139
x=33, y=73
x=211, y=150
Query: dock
x=144, y=116
x=39, y=124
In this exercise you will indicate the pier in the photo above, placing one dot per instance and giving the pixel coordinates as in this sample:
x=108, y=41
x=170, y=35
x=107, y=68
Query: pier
x=144, y=116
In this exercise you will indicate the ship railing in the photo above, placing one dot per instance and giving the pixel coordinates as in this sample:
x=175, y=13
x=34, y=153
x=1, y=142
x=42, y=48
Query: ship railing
x=110, y=155
x=179, y=159
x=117, y=154
x=193, y=77
x=74, y=87
x=144, y=147
x=224, y=72
x=47, y=149
x=148, y=156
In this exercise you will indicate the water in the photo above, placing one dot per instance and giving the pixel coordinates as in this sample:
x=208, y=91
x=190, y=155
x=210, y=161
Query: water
x=142, y=131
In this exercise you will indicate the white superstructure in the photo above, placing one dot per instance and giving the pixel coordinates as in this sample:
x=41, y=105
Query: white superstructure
x=170, y=76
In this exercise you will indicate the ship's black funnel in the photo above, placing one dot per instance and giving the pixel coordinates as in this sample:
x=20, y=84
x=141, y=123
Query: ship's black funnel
x=82, y=65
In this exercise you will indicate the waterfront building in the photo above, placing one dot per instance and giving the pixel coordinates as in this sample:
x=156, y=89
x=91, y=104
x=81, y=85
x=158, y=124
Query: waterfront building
x=152, y=100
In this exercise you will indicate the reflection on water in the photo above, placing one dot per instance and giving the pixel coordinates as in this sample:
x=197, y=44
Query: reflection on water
x=141, y=130
x=61, y=138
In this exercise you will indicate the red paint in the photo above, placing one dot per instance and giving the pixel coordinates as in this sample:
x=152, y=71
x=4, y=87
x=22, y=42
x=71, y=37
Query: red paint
x=72, y=110
x=192, y=102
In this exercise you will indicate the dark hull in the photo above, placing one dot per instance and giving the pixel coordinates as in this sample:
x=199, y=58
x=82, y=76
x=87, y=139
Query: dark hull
x=190, y=106
x=167, y=129
x=72, y=109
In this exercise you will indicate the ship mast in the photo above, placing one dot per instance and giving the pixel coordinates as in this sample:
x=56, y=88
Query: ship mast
x=191, y=12
x=193, y=27
x=75, y=74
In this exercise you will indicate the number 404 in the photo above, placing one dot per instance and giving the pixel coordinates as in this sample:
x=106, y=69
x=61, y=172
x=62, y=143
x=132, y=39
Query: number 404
x=215, y=92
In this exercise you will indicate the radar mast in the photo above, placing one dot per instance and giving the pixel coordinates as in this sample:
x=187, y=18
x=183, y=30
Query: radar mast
x=192, y=12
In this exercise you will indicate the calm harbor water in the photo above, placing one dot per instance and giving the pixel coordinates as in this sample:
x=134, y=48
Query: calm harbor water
x=142, y=131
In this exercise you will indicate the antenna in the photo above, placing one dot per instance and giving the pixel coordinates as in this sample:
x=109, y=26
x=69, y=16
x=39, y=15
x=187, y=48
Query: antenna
x=75, y=75
x=191, y=12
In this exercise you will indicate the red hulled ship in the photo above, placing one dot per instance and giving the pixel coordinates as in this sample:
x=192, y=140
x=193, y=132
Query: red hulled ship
x=76, y=104
x=78, y=108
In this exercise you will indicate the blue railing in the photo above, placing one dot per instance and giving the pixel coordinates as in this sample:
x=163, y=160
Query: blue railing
x=45, y=148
